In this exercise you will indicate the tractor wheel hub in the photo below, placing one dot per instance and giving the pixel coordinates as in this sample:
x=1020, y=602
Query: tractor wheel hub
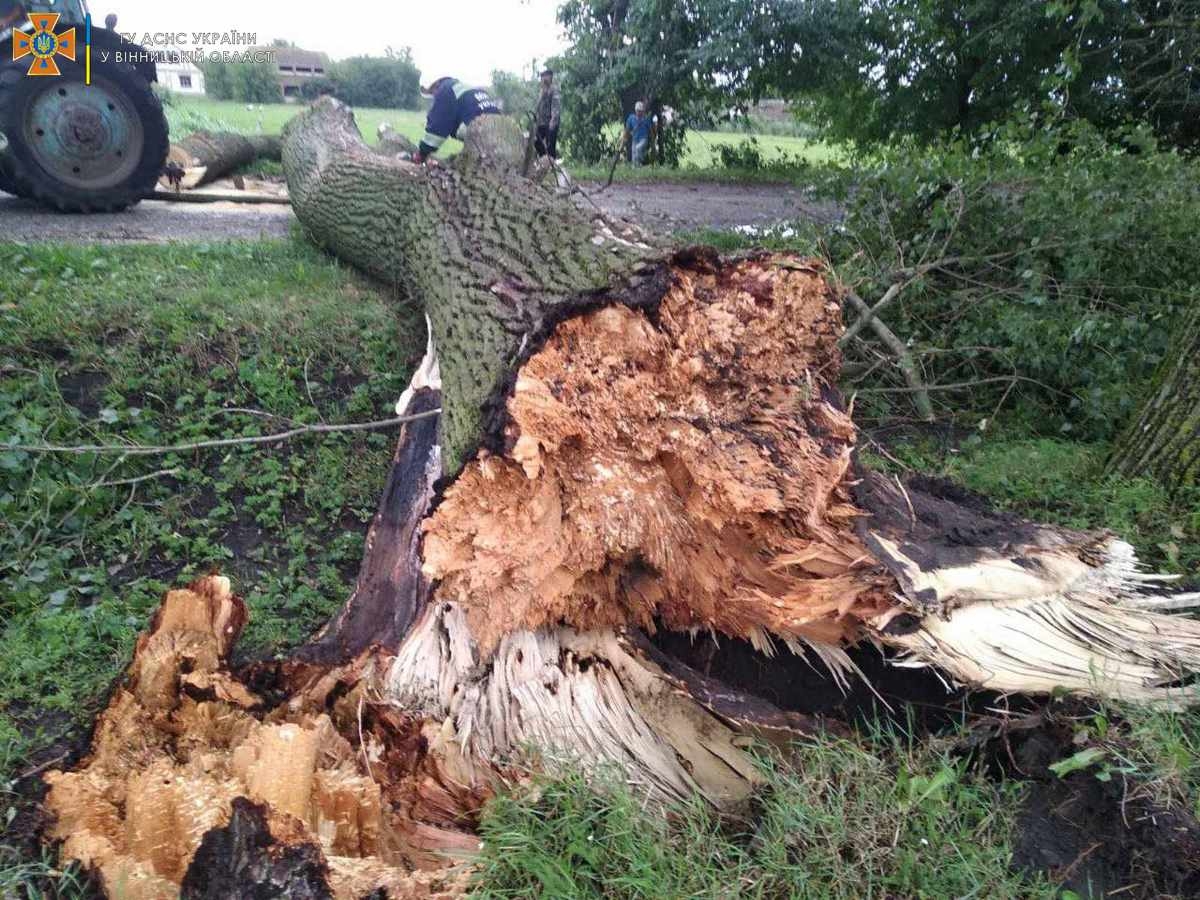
x=88, y=136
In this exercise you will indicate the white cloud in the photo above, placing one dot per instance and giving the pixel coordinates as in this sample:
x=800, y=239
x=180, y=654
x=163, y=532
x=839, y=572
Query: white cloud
x=463, y=38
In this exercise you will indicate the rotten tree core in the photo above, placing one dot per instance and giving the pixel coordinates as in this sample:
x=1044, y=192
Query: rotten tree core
x=688, y=465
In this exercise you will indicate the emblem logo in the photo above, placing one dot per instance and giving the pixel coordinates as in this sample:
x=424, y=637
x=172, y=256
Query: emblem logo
x=44, y=45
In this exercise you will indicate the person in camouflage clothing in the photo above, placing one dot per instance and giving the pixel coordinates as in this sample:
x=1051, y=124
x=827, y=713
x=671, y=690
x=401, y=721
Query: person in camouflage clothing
x=546, y=117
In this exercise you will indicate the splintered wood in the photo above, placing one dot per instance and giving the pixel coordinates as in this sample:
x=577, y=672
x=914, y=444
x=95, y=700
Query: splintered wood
x=182, y=739
x=685, y=469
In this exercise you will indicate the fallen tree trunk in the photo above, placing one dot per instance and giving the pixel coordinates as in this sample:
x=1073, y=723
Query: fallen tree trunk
x=633, y=442
x=205, y=156
x=1164, y=443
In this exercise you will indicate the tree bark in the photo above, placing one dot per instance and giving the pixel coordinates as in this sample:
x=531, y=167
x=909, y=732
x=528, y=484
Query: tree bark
x=1164, y=444
x=494, y=260
x=633, y=442
x=205, y=156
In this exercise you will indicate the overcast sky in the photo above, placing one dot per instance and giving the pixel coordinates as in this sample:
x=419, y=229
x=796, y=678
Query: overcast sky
x=464, y=38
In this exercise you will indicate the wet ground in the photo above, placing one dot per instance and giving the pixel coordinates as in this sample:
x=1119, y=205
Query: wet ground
x=664, y=206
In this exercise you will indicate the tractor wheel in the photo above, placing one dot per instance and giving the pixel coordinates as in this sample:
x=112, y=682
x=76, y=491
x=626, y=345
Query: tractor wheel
x=79, y=147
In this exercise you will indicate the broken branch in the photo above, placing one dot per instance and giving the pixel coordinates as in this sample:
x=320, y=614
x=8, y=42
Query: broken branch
x=135, y=450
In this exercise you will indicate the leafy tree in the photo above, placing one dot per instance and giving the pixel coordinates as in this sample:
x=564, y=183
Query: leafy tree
x=1135, y=59
x=392, y=81
x=218, y=80
x=256, y=82
x=247, y=82
x=519, y=95
x=873, y=69
x=317, y=87
x=623, y=51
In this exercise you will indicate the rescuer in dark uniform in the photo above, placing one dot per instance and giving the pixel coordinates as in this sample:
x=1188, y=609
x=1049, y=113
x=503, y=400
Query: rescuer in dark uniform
x=455, y=103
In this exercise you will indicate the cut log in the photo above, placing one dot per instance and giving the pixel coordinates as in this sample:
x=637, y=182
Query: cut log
x=205, y=156
x=1164, y=443
x=633, y=441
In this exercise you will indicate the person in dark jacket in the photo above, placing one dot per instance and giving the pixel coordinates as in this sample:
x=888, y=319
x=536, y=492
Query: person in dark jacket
x=455, y=103
x=546, y=117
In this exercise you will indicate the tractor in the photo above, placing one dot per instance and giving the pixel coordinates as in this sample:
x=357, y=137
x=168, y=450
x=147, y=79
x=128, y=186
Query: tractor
x=91, y=138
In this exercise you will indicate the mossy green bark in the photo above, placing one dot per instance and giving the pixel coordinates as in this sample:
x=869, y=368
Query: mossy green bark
x=1165, y=442
x=492, y=257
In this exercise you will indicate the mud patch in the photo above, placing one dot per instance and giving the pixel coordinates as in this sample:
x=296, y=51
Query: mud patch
x=1097, y=838
x=84, y=391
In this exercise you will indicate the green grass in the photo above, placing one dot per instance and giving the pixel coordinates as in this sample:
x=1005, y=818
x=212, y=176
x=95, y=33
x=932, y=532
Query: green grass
x=838, y=819
x=191, y=113
x=158, y=345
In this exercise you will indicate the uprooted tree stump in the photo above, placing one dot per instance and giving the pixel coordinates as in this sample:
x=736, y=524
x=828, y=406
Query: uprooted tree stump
x=633, y=442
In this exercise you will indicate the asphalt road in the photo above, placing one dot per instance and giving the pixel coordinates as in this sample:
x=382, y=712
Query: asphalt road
x=150, y=222
x=661, y=206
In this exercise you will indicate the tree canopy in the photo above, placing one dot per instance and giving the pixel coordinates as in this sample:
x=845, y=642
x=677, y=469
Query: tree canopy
x=623, y=51
x=392, y=81
x=247, y=82
x=870, y=70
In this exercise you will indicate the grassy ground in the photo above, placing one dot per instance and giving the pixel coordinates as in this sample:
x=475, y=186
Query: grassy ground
x=162, y=345
x=158, y=345
x=840, y=819
x=188, y=114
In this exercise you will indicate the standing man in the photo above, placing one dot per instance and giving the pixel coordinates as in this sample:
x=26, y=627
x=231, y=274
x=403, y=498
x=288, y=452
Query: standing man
x=639, y=131
x=546, y=117
x=455, y=103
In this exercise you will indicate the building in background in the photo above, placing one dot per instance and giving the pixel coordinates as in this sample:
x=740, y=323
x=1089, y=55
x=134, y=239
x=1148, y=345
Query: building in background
x=295, y=67
x=181, y=77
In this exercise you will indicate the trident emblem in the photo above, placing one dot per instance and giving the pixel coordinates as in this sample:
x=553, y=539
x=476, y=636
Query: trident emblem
x=44, y=44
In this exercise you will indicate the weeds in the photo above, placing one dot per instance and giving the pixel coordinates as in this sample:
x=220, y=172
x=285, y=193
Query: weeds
x=837, y=820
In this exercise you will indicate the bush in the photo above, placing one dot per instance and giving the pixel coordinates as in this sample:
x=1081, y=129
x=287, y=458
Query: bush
x=745, y=155
x=317, y=87
x=1066, y=261
x=518, y=95
x=246, y=82
x=385, y=82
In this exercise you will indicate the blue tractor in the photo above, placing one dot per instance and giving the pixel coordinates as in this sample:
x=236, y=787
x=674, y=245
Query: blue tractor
x=81, y=130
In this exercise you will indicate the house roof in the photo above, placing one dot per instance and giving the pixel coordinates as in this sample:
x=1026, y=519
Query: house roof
x=297, y=58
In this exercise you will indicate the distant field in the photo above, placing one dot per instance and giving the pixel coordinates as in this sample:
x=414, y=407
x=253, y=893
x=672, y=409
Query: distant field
x=702, y=144
x=188, y=114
